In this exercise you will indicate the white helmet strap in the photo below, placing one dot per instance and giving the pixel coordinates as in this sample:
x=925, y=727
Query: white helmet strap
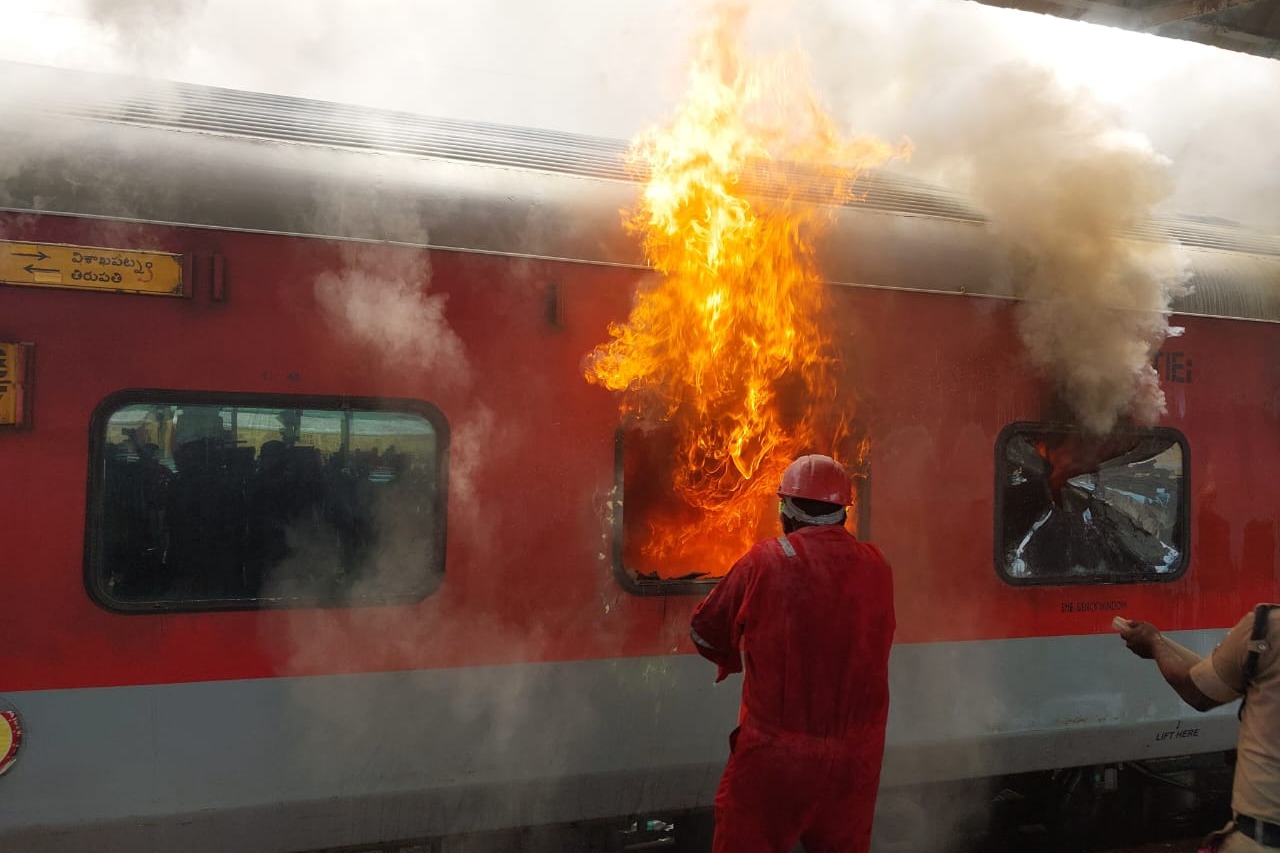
x=795, y=513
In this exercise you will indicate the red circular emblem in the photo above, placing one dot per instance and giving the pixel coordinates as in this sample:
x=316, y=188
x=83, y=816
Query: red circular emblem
x=10, y=738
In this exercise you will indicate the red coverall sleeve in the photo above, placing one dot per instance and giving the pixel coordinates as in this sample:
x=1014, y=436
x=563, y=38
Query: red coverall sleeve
x=717, y=622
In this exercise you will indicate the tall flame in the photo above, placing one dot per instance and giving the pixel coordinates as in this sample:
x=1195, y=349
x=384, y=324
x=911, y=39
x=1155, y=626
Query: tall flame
x=728, y=350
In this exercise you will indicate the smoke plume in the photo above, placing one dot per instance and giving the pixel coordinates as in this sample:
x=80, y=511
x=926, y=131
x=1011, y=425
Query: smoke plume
x=388, y=305
x=1063, y=176
x=610, y=69
x=144, y=29
x=1065, y=189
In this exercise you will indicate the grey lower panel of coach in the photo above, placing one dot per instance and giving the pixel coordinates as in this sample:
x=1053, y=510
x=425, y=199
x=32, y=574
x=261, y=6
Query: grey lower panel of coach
x=296, y=763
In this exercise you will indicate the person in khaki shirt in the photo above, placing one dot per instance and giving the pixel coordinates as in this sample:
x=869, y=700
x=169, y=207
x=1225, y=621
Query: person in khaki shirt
x=1205, y=683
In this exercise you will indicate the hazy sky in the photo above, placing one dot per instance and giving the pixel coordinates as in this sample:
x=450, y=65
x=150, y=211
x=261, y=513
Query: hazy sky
x=908, y=67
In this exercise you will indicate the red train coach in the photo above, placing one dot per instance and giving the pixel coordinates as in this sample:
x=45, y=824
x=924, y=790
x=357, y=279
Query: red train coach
x=316, y=536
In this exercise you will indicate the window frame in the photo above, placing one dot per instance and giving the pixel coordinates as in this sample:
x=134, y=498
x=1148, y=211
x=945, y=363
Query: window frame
x=629, y=581
x=1183, y=512
x=94, y=543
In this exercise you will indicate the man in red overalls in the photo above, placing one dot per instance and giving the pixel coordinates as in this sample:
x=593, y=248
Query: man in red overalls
x=810, y=616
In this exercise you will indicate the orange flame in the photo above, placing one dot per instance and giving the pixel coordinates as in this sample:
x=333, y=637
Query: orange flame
x=728, y=350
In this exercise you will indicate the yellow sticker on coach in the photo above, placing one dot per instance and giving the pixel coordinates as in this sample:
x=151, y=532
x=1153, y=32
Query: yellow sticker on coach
x=88, y=268
x=8, y=384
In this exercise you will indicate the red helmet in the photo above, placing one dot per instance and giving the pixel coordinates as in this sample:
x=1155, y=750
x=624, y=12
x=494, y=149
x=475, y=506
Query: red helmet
x=818, y=478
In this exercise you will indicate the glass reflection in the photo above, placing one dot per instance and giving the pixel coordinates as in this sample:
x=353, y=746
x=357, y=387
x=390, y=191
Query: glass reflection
x=209, y=503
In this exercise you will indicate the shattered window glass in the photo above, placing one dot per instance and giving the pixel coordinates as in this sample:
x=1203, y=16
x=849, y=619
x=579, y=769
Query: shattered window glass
x=204, y=501
x=1072, y=508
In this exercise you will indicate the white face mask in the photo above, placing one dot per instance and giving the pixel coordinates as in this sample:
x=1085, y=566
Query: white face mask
x=795, y=513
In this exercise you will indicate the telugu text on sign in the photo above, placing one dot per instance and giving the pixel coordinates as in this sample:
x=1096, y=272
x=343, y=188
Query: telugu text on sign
x=87, y=268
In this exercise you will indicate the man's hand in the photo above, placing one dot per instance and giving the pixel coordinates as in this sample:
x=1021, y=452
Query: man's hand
x=1175, y=661
x=1141, y=638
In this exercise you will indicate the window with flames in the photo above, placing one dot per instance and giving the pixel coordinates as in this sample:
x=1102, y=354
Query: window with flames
x=665, y=545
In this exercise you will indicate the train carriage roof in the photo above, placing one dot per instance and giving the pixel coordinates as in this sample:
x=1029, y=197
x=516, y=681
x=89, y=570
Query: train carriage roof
x=100, y=145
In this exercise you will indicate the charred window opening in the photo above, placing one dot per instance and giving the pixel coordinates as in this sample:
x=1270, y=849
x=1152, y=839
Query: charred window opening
x=664, y=546
x=205, y=501
x=1071, y=508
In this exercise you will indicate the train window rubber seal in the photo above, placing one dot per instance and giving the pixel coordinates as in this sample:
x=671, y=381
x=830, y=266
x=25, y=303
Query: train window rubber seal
x=426, y=480
x=638, y=583
x=1114, y=530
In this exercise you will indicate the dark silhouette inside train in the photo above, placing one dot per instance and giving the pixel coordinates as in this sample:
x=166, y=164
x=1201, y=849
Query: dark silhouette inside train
x=202, y=504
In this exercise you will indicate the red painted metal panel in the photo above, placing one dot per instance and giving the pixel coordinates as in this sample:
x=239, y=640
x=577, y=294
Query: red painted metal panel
x=528, y=573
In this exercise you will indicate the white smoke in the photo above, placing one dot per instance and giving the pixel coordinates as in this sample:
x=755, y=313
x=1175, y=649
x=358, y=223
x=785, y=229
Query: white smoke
x=476, y=60
x=382, y=298
x=1062, y=185
x=1060, y=173
x=914, y=66
x=614, y=68
x=475, y=441
x=147, y=32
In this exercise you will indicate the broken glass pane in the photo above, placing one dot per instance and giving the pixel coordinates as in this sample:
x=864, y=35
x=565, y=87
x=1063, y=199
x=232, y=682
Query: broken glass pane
x=1073, y=508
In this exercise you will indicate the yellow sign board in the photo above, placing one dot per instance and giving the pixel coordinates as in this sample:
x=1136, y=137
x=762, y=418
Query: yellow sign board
x=88, y=268
x=13, y=374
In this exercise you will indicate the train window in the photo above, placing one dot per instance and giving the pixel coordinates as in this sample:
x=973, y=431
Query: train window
x=1071, y=508
x=663, y=545
x=207, y=501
